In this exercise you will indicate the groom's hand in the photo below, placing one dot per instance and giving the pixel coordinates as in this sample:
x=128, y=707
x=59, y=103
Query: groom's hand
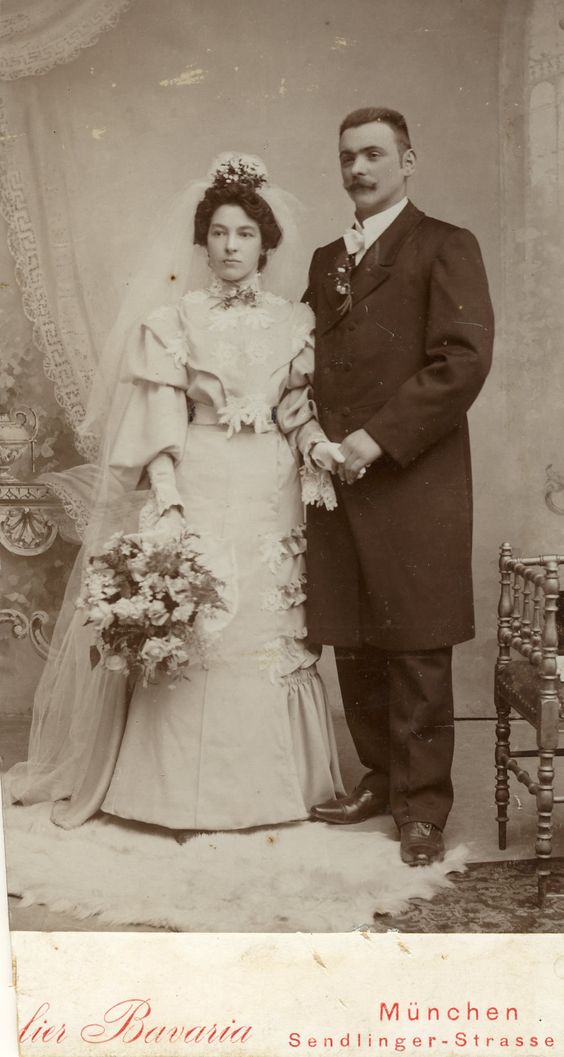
x=360, y=450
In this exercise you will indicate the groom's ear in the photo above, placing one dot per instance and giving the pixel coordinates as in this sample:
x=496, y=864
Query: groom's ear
x=409, y=161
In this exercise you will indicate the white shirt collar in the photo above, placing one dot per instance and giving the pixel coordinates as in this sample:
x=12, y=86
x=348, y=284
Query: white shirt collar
x=376, y=225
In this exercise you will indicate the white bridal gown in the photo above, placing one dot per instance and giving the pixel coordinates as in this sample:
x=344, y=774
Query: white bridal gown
x=248, y=739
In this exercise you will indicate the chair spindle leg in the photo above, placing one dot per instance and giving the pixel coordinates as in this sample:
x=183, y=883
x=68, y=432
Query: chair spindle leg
x=502, y=753
x=545, y=803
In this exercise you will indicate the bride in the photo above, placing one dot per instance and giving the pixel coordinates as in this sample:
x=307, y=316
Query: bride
x=212, y=405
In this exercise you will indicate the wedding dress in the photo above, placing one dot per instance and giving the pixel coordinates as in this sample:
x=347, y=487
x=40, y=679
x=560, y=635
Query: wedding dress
x=247, y=738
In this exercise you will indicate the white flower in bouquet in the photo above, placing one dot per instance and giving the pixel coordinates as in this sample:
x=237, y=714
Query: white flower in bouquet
x=130, y=608
x=157, y=612
x=179, y=652
x=100, y=586
x=183, y=612
x=177, y=587
x=153, y=584
x=115, y=663
x=138, y=566
x=100, y=614
x=155, y=650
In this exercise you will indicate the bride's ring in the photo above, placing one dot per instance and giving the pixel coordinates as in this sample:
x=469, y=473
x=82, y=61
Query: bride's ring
x=361, y=473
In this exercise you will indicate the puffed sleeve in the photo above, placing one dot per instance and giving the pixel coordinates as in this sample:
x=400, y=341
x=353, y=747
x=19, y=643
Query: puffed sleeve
x=152, y=432
x=297, y=412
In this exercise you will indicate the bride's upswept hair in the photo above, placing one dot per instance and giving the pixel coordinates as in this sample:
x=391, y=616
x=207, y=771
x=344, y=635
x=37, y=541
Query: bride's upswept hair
x=245, y=196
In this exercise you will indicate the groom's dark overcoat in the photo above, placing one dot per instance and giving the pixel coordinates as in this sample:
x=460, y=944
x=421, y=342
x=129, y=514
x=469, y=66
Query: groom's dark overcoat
x=392, y=565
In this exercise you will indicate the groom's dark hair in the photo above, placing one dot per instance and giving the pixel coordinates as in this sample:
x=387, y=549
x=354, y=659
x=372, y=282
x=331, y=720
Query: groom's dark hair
x=393, y=118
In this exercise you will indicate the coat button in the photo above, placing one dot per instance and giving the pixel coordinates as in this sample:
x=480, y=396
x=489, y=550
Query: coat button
x=346, y=411
x=351, y=326
x=347, y=365
x=326, y=370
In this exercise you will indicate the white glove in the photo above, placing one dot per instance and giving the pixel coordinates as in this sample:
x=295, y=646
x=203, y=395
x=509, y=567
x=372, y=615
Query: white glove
x=163, y=482
x=327, y=455
x=171, y=523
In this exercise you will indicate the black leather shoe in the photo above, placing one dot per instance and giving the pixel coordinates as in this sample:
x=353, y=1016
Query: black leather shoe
x=356, y=807
x=421, y=844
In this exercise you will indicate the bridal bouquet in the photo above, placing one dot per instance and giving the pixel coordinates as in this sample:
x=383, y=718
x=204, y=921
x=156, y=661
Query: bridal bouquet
x=143, y=595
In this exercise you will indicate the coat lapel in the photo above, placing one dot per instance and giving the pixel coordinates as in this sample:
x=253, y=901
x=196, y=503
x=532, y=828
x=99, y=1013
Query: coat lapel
x=373, y=270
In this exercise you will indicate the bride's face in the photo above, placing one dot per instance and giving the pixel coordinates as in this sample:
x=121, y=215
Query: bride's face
x=234, y=244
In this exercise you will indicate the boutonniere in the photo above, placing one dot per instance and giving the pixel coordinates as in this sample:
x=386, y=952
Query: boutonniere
x=342, y=282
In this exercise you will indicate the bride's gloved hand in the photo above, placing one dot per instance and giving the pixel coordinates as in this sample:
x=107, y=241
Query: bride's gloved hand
x=327, y=455
x=167, y=500
x=171, y=523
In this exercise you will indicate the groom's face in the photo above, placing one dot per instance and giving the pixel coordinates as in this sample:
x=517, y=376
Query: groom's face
x=373, y=167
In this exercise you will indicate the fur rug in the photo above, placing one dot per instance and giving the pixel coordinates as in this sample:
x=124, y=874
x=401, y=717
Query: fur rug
x=304, y=877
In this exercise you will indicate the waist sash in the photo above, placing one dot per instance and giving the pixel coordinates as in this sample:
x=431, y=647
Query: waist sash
x=206, y=415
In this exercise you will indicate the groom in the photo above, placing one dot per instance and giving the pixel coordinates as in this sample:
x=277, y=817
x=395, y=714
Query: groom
x=404, y=342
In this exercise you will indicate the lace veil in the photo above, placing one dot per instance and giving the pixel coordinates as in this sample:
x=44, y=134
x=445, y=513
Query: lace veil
x=77, y=709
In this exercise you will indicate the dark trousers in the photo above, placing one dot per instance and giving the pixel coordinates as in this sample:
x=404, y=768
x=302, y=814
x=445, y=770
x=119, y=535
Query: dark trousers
x=399, y=710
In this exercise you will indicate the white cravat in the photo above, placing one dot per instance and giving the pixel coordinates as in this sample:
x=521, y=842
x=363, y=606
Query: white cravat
x=361, y=237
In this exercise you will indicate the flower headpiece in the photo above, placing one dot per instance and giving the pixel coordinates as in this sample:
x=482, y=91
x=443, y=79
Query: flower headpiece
x=231, y=168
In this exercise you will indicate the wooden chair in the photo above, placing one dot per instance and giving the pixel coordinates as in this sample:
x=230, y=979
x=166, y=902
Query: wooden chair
x=529, y=685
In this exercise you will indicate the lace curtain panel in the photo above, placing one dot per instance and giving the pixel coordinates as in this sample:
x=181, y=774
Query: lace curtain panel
x=37, y=180
x=36, y=35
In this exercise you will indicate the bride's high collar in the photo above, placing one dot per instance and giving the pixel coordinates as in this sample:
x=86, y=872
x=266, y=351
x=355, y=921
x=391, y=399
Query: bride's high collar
x=235, y=291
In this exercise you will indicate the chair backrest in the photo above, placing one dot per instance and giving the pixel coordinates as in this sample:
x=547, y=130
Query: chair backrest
x=527, y=612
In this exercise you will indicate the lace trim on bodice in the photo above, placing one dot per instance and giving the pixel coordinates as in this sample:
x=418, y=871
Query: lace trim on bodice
x=251, y=410
x=239, y=327
x=255, y=318
x=253, y=353
x=231, y=304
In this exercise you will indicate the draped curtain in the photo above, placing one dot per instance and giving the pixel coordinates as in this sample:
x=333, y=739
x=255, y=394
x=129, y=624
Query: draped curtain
x=37, y=179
